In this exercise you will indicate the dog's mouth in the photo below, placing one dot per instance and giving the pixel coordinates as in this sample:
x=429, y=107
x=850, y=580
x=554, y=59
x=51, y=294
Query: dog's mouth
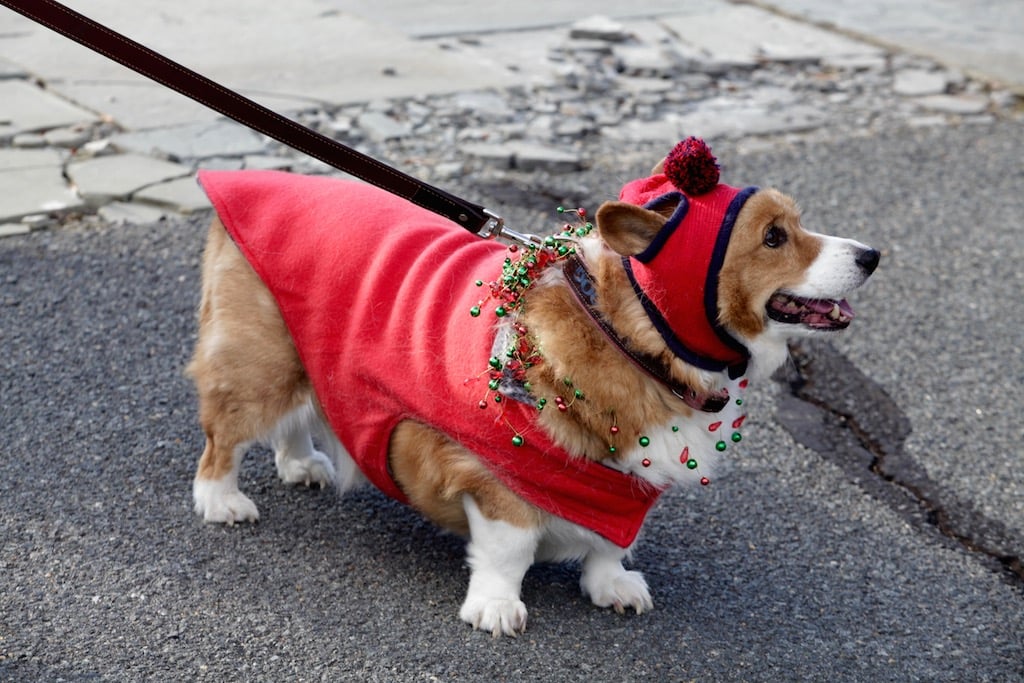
x=815, y=314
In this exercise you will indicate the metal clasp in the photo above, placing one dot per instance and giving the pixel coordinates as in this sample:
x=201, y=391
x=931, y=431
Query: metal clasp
x=496, y=228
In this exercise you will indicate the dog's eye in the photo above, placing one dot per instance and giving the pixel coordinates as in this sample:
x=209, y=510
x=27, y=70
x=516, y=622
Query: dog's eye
x=775, y=237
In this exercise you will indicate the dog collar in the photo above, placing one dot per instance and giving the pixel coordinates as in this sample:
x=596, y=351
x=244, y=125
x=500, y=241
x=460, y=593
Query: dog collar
x=581, y=284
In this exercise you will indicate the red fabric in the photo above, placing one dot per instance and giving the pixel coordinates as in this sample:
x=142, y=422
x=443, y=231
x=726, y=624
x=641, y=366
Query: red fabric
x=376, y=294
x=677, y=273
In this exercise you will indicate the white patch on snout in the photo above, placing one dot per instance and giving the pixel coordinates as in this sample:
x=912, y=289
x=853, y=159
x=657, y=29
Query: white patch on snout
x=835, y=272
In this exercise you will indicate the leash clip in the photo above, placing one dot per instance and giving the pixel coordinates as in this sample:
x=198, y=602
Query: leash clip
x=495, y=228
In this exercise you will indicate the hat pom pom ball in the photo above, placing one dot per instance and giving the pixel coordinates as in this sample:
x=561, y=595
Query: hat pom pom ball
x=692, y=167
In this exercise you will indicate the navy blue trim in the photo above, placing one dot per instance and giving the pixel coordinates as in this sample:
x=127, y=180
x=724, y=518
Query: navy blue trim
x=669, y=228
x=673, y=342
x=717, y=259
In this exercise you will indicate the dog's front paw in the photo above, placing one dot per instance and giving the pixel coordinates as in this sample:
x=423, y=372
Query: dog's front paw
x=619, y=591
x=497, y=615
x=222, y=504
x=317, y=468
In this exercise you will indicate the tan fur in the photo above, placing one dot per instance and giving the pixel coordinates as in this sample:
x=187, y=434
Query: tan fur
x=435, y=473
x=751, y=272
x=245, y=367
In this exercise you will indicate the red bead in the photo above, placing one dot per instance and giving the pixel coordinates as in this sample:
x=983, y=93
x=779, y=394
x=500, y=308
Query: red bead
x=482, y=405
x=685, y=455
x=614, y=429
x=646, y=462
x=744, y=383
x=713, y=427
x=704, y=481
x=562, y=407
x=738, y=422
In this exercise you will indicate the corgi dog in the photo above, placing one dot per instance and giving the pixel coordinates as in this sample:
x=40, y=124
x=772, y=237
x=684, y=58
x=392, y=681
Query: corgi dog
x=534, y=398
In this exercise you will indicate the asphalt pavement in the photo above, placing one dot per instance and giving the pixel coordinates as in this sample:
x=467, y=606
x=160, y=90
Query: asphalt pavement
x=872, y=528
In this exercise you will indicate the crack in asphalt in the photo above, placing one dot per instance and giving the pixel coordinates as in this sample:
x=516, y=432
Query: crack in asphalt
x=830, y=418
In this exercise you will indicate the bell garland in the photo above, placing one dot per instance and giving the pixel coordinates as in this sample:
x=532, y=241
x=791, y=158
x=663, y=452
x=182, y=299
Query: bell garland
x=520, y=270
x=523, y=264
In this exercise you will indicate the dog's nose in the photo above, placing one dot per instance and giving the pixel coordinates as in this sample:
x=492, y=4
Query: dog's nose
x=868, y=260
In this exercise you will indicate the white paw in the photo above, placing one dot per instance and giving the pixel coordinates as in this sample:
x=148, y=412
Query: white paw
x=497, y=615
x=222, y=503
x=621, y=591
x=314, y=469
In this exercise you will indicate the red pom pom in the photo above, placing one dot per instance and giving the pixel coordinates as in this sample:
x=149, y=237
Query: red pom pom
x=692, y=167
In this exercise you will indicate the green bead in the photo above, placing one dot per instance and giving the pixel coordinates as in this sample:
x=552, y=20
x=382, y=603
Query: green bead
x=675, y=428
x=578, y=394
x=567, y=381
x=739, y=401
x=475, y=311
x=549, y=241
x=721, y=446
x=691, y=463
x=736, y=437
x=493, y=384
x=495, y=363
x=611, y=449
x=644, y=441
x=479, y=283
x=500, y=311
x=517, y=440
x=563, y=250
x=497, y=398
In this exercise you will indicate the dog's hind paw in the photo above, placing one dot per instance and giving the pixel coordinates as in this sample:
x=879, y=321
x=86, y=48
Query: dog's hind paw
x=220, y=504
x=316, y=469
x=497, y=615
x=622, y=591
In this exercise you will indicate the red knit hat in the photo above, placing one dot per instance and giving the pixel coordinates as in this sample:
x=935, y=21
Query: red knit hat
x=676, y=276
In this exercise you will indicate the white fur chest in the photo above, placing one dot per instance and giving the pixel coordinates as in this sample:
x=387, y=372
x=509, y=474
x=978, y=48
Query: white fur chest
x=689, y=449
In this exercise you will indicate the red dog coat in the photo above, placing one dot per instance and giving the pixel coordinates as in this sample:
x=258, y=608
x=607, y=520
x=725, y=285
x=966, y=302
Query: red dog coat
x=376, y=294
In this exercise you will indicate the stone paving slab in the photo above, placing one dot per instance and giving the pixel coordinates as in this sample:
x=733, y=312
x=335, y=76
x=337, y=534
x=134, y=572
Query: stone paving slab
x=109, y=178
x=181, y=195
x=31, y=182
x=27, y=108
x=300, y=50
x=744, y=36
x=420, y=20
x=201, y=140
x=984, y=37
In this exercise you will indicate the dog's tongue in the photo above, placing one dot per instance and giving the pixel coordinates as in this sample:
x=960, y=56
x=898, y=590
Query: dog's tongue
x=825, y=306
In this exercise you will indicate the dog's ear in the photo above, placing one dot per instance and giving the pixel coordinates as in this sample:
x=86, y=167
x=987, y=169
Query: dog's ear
x=659, y=168
x=627, y=228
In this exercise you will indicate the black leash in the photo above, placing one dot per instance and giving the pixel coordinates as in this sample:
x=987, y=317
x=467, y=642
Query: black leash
x=155, y=66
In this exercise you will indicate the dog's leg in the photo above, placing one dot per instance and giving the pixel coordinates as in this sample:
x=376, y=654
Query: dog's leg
x=247, y=374
x=296, y=459
x=608, y=583
x=215, y=488
x=499, y=554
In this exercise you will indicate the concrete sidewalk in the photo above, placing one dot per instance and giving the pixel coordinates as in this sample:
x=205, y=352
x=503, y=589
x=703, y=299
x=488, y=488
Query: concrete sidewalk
x=709, y=66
